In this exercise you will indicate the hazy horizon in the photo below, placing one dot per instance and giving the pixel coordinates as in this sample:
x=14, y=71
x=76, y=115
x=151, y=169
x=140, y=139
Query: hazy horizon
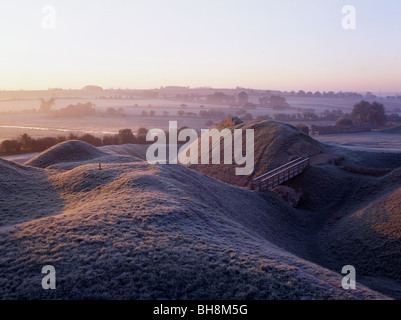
x=377, y=93
x=269, y=45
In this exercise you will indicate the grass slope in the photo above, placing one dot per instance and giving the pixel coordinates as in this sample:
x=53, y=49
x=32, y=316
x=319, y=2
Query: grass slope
x=136, y=231
x=370, y=239
x=25, y=194
x=275, y=143
x=65, y=152
x=357, y=221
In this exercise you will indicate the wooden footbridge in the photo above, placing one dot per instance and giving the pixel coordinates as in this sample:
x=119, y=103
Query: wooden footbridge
x=278, y=176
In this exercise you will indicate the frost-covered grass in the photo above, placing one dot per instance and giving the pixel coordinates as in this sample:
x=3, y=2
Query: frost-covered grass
x=370, y=239
x=135, y=231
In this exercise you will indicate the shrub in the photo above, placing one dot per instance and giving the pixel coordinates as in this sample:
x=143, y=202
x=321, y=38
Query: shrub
x=366, y=112
x=10, y=146
x=45, y=143
x=303, y=127
x=126, y=136
x=111, y=110
x=26, y=141
x=142, y=130
x=109, y=140
x=77, y=110
x=344, y=122
x=88, y=138
x=141, y=139
x=211, y=114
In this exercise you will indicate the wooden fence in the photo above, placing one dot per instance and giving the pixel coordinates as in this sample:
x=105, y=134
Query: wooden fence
x=277, y=176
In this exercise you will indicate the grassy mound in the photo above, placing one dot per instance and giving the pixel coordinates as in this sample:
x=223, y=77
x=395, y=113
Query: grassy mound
x=329, y=188
x=370, y=240
x=25, y=194
x=275, y=144
x=359, y=222
x=136, y=231
x=9, y=169
x=69, y=151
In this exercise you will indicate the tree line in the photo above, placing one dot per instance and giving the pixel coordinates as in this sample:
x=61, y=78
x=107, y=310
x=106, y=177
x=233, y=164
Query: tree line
x=27, y=144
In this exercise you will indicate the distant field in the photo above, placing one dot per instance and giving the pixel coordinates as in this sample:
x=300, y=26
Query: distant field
x=19, y=105
x=373, y=141
x=323, y=103
x=40, y=125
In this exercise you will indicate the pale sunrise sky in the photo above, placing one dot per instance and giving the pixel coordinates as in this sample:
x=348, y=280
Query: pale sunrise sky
x=282, y=44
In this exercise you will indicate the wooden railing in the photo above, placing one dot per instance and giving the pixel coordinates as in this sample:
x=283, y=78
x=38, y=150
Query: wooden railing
x=277, y=176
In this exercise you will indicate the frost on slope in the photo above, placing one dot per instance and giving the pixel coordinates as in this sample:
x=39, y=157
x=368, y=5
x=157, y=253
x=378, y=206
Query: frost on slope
x=136, y=231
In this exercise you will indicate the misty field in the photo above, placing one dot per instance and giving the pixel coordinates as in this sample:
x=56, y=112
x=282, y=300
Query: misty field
x=135, y=113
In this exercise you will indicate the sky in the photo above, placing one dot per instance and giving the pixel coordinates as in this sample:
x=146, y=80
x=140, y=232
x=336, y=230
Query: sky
x=261, y=44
